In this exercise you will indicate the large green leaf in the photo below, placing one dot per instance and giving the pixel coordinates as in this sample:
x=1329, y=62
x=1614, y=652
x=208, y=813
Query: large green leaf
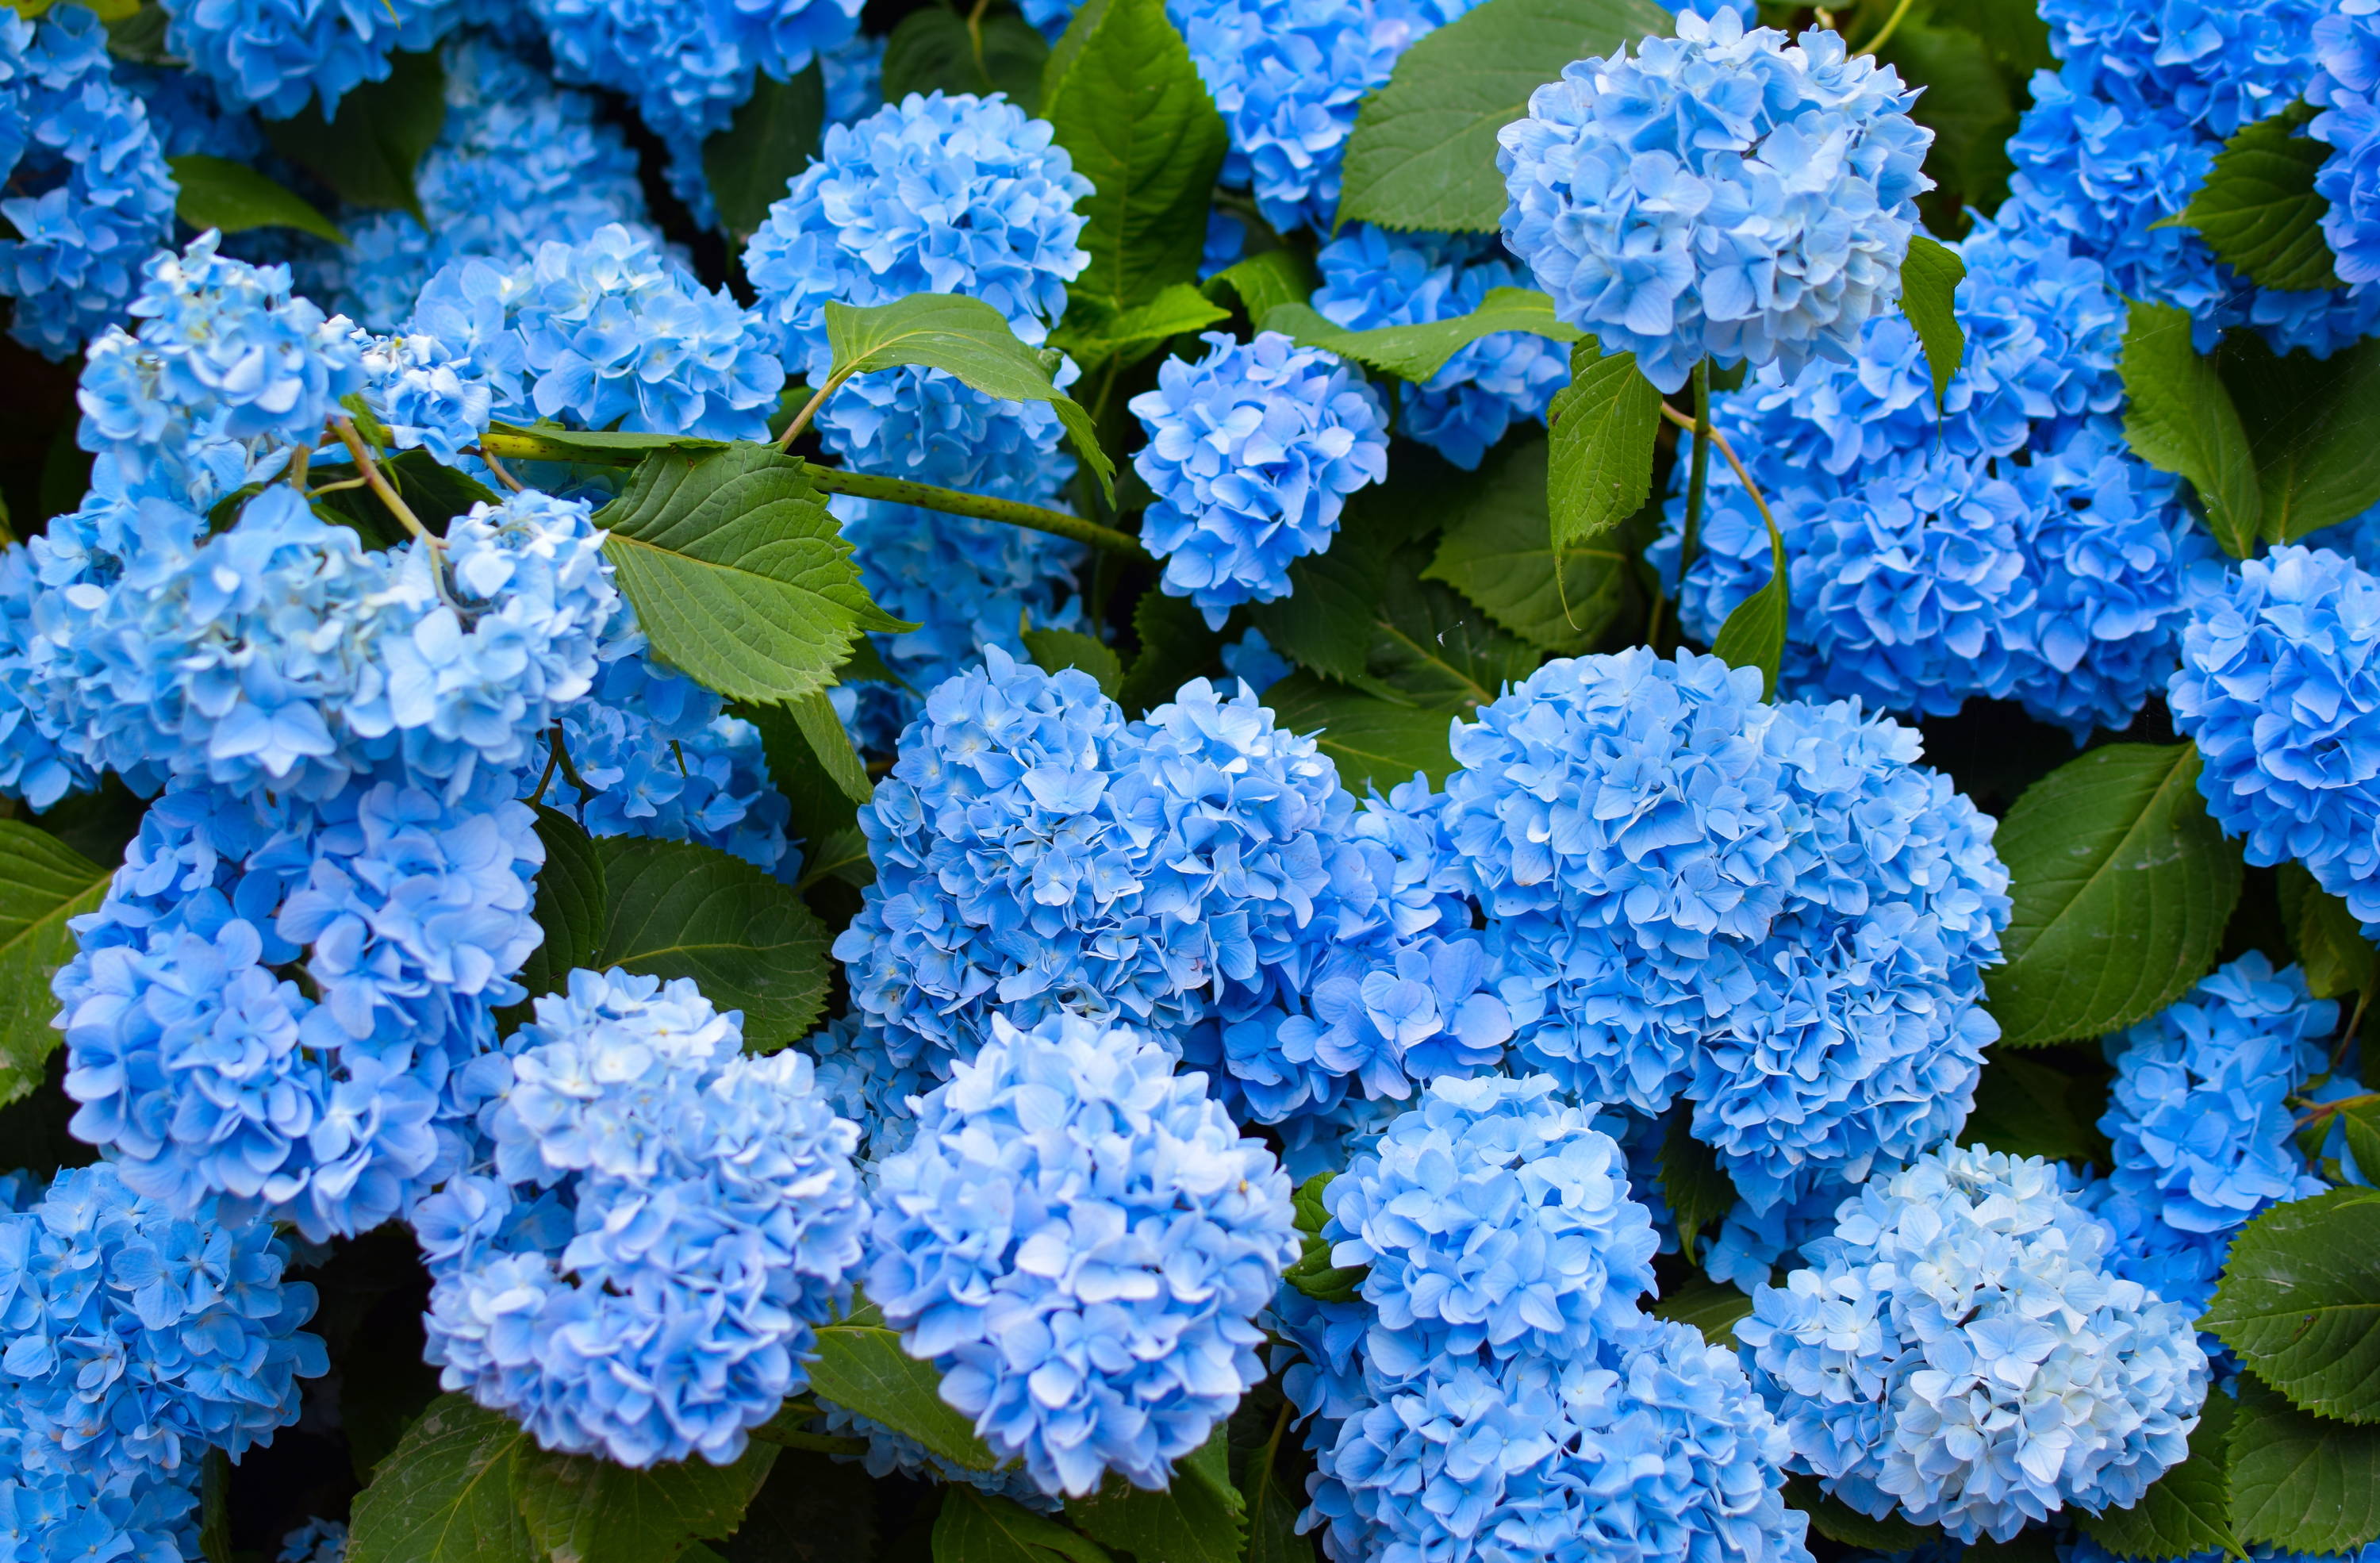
x=2300, y=1302
x=1197, y=1517
x=679, y=910
x=1604, y=422
x=740, y=578
x=2180, y=419
x=1275, y=1495
x=1122, y=98
x=445, y=1494
x=770, y=139
x=830, y=744
x=1496, y=551
x=2185, y=1512
x=2257, y=209
x=965, y=337
x=2328, y=940
x=1264, y=281
x=2024, y=1108
x=1929, y=285
x=218, y=193
x=1055, y=649
x=2122, y=887
x=1966, y=97
x=368, y=151
x=2310, y=423
x=1433, y=649
x=861, y=1367
x=2300, y=1482
x=42, y=882
x=580, y=1509
x=1753, y=633
x=1696, y=1187
x=1713, y=1307
x=1423, y=155
x=1373, y=743
x=975, y=1527
x=1176, y=645
x=936, y=49
x=572, y=904
x=1092, y=335
x=1418, y=352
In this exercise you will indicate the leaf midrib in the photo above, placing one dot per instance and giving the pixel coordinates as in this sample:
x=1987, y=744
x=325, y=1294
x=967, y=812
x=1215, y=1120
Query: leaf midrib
x=2091, y=879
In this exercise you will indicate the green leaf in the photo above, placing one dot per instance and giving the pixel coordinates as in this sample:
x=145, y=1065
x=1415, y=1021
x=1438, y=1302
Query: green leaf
x=1713, y=1307
x=1603, y=423
x=2329, y=942
x=678, y=910
x=2257, y=209
x=2301, y=1482
x=444, y=1495
x=936, y=49
x=1418, y=352
x=1754, y=634
x=1839, y=1522
x=42, y=882
x=1423, y=155
x=1313, y=1273
x=1966, y=100
x=2180, y=419
x=2188, y=1509
x=1374, y=744
x=1264, y=281
x=580, y=1509
x=2122, y=888
x=2309, y=423
x=1054, y=649
x=1929, y=285
x=1696, y=1188
x=1432, y=649
x=1495, y=552
x=1123, y=96
x=2300, y=1302
x=1276, y=1497
x=138, y=35
x=434, y=492
x=809, y=1511
x=1092, y=335
x=215, y=1508
x=820, y=806
x=1198, y=1518
x=966, y=337
x=572, y=904
x=975, y=1527
x=770, y=139
x=218, y=193
x=1175, y=647
x=740, y=578
x=861, y=1367
x=830, y=741
x=2027, y=1109
x=368, y=151
x=840, y=855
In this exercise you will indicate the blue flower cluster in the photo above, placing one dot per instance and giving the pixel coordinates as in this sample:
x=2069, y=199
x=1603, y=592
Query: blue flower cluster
x=1252, y=453
x=1499, y=1393
x=278, y=56
x=1721, y=194
x=1375, y=277
x=2013, y=549
x=612, y=333
x=316, y=1541
x=520, y=163
x=651, y=1226
x=1288, y=76
x=88, y=194
x=1080, y=1239
x=2347, y=88
x=1957, y=1349
x=2121, y=137
x=2277, y=687
x=139, y=1338
x=688, y=64
x=2200, y=1120
x=1771, y=910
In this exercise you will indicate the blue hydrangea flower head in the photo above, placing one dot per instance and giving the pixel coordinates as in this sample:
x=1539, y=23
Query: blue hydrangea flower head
x=1254, y=662
x=2276, y=687
x=687, y=64
x=1374, y=277
x=1252, y=452
x=149, y=1518
x=2199, y=1114
x=316, y=1541
x=2347, y=88
x=854, y=78
x=140, y=1336
x=654, y=1224
x=1957, y=1349
x=90, y=195
x=1081, y=1242
x=277, y=57
x=1721, y=194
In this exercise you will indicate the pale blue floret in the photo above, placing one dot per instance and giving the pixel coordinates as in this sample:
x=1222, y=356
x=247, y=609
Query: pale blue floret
x=1723, y=194
x=1959, y=1351
x=652, y=1225
x=1080, y=1239
x=1252, y=453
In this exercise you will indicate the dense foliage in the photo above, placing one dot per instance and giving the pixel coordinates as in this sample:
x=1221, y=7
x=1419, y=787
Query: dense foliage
x=1189, y=781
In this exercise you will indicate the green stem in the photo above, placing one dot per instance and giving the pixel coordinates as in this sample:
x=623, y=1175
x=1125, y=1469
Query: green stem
x=1884, y=34
x=809, y=410
x=897, y=491
x=1697, y=484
